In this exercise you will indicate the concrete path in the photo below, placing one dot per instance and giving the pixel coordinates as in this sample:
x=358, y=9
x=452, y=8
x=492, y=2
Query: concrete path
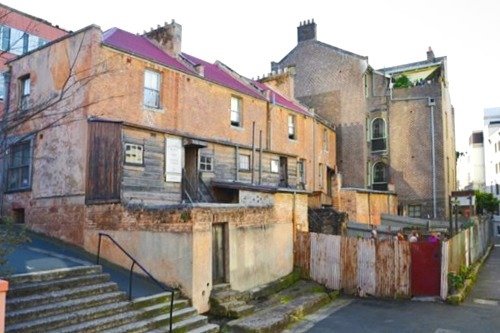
x=43, y=253
x=486, y=290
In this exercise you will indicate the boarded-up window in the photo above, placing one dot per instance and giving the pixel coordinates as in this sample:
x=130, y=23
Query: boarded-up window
x=104, y=162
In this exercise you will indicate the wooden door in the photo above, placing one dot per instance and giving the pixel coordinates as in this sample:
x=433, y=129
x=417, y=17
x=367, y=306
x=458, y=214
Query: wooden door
x=218, y=253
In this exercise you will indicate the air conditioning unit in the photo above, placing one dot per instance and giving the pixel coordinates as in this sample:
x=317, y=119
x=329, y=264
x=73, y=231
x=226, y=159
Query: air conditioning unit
x=431, y=101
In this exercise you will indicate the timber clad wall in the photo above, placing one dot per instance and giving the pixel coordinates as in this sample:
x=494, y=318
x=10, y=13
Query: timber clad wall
x=145, y=184
x=104, y=162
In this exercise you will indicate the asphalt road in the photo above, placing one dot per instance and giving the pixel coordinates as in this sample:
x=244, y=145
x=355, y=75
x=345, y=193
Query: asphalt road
x=480, y=313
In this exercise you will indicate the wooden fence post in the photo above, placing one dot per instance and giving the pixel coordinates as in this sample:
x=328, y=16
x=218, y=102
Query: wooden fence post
x=4, y=286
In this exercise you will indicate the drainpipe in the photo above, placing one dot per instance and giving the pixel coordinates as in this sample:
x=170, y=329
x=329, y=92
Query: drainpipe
x=237, y=158
x=433, y=149
x=253, y=153
x=260, y=157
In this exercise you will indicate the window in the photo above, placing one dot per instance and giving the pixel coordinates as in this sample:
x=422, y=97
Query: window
x=275, y=166
x=151, y=89
x=2, y=86
x=235, y=111
x=301, y=174
x=244, y=162
x=25, y=84
x=379, y=176
x=325, y=139
x=18, y=41
x=19, y=169
x=134, y=154
x=292, y=128
x=378, y=135
x=206, y=163
x=414, y=210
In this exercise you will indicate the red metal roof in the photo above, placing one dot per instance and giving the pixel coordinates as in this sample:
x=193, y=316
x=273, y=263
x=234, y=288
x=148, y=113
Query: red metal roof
x=218, y=73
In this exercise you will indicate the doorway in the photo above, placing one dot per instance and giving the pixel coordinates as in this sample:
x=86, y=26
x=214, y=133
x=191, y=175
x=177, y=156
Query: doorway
x=283, y=172
x=219, y=241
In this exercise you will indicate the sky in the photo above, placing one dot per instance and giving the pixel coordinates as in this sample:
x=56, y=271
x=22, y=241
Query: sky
x=248, y=35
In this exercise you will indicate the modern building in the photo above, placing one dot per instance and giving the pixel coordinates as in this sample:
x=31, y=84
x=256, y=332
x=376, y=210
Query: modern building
x=375, y=110
x=472, y=164
x=204, y=175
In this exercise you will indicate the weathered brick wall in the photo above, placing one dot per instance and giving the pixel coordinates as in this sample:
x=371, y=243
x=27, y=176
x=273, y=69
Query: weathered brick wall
x=331, y=81
x=411, y=169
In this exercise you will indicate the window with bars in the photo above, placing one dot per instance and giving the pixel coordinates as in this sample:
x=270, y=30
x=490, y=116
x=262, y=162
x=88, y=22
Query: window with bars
x=152, y=89
x=19, y=166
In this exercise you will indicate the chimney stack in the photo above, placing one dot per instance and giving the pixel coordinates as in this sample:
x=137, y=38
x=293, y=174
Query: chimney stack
x=168, y=37
x=306, y=31
x=430, y=55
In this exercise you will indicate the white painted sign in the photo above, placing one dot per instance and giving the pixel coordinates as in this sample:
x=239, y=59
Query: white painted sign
x=173, y=160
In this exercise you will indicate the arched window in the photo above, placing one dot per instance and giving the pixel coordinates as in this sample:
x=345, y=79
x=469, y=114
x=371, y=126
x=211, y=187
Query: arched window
x=379, y=135
x=379, y=176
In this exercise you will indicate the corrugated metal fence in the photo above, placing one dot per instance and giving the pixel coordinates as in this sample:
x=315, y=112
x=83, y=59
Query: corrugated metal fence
x=381, y=268
x=358, y=266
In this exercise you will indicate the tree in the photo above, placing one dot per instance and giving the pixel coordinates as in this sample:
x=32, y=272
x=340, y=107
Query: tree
x=486, y=202
x=403, y=82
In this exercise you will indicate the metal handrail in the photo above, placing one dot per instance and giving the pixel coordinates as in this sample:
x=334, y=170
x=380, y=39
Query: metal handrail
x=135, y=262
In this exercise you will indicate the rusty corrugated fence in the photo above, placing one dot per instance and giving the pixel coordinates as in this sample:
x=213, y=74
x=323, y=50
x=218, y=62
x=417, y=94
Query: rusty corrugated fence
x=358, y=266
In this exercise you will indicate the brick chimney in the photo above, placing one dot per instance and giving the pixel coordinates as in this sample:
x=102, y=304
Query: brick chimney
x=282, y=80
x=306, y=31
x=430, y=55
x=168, y=37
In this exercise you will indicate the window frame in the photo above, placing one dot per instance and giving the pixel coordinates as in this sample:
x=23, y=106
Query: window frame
x=202, y=165
x=378, y=182
x=241, y=158
x=152, y=91
x=23, y=96
x=141, y=163
x=382, y=138
x=18, y=169
x=292, y=126
x=237, y=121
x=413, y=209
x=326, y=140
x=301, y=173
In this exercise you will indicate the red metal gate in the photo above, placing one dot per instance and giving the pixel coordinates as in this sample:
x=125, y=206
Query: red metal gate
x=425, y=269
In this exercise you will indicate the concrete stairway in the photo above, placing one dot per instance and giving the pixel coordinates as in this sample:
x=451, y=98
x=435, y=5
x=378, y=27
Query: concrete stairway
x=82, y=299
x=225, y=302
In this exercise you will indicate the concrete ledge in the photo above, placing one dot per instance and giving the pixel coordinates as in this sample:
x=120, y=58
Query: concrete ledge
x=460, y=295
x=277, y=318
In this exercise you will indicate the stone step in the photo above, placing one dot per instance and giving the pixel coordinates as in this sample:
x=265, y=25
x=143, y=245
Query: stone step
x=53, y=274
x=278, y=317
x=144, y=301
x=65, y=319
x=159, y=309
x=209, y=328
x=186, y=325
x=45, y=310
x=241, y=311
x=157, y=322
x=221, y=287
x=226, y=296
x=14, y=304
x=102, y=324
x=30, y=288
